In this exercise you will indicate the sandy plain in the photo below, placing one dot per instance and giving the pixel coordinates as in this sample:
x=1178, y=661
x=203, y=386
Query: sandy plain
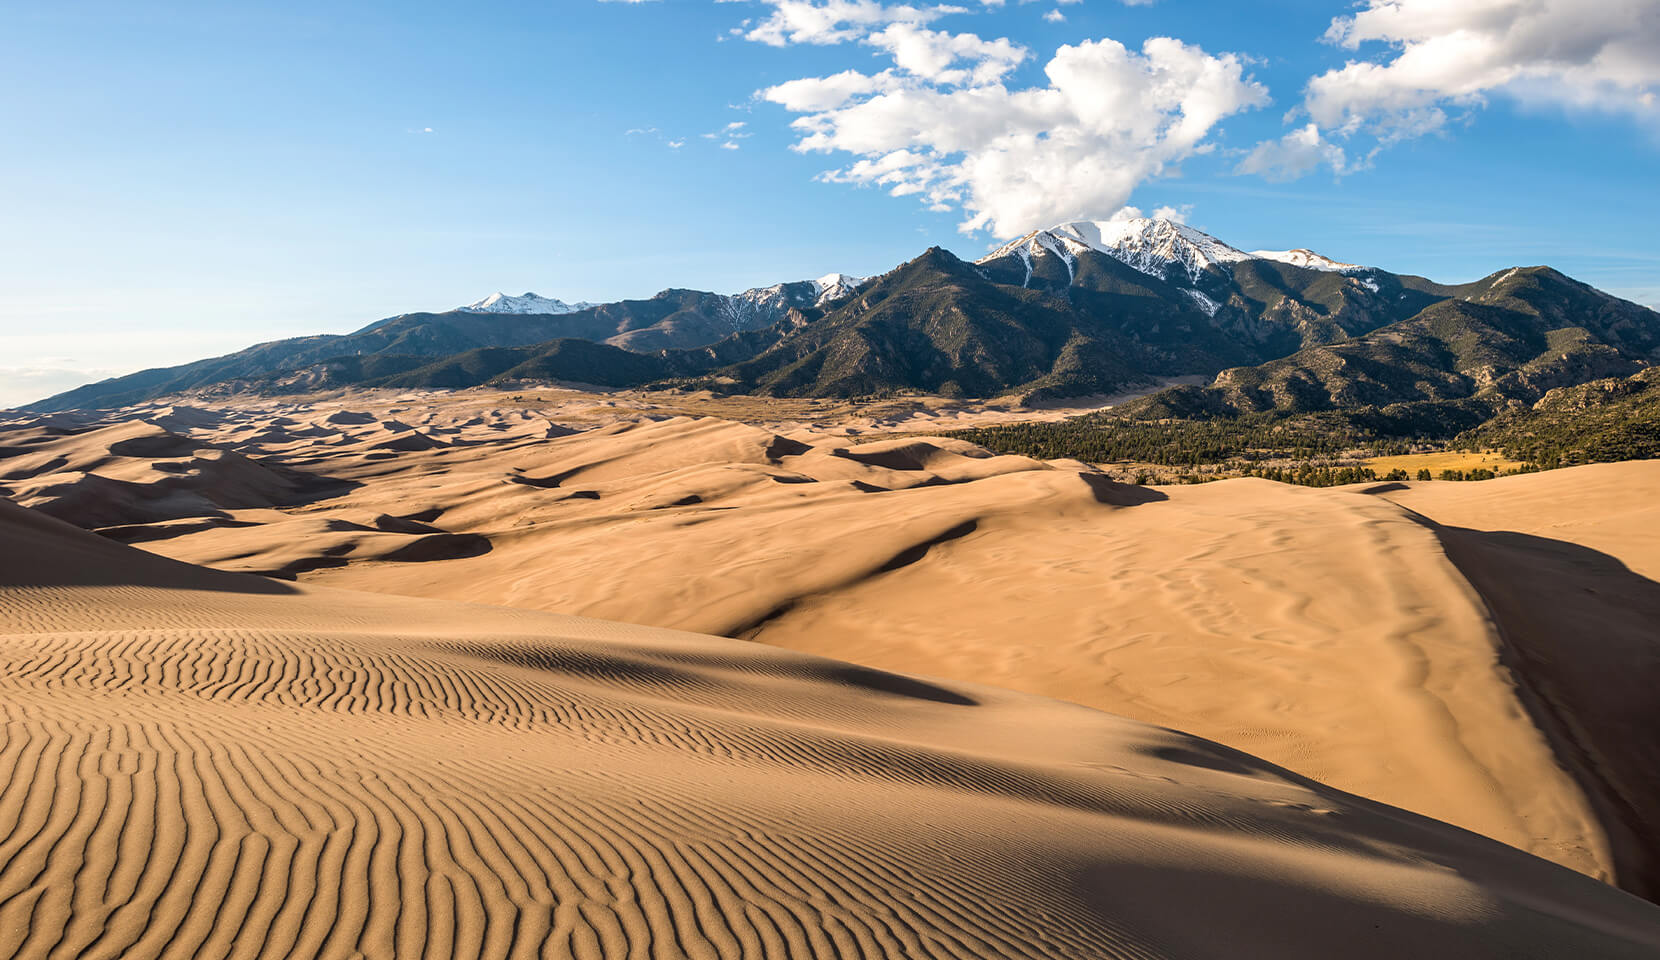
x=367, y=740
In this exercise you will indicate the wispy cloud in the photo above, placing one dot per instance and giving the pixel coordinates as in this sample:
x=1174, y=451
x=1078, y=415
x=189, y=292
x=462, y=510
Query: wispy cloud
x=823, y=22
x=1293, y=155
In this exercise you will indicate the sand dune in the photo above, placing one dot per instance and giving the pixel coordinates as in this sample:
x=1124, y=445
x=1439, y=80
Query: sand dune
x=1600, y=507
x=207, y=764
x=137, y=472
x=1567, y=562
x=1329, y=631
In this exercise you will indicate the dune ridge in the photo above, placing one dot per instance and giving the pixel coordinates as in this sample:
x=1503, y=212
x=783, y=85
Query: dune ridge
x=1565, y=561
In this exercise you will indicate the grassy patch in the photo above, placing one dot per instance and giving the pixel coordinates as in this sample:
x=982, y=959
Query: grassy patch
x=1443, y=460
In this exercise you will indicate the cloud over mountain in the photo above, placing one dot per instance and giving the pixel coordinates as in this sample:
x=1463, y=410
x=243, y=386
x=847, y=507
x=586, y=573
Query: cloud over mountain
x=945, y=124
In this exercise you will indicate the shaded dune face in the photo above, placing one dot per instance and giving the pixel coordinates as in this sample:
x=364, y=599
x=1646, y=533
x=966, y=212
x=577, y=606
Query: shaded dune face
x=189, y=768
x=1568, y=563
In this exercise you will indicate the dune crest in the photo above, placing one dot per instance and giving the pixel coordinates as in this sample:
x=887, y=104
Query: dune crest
x=1566, y=562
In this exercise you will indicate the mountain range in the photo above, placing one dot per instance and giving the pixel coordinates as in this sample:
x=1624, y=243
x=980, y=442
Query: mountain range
x=1081, y=308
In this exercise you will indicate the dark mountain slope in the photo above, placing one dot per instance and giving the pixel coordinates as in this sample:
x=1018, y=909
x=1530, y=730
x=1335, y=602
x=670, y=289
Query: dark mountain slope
x=582, y=361
x=1605, y=420
x=943, y=325
x=1286, y=307
x=1506, y=340
x=569, y=359
x=1531, y=362
x=676, y=319
x=1266, y=308
x=415, y=335
x=1087, y=307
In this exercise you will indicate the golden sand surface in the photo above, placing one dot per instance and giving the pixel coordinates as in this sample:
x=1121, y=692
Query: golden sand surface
x=1338, y=633
x=207, y=764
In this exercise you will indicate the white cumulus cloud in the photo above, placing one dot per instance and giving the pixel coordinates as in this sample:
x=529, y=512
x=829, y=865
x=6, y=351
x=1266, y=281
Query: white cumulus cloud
x=1292, y=156
x=943, y=124
x=812, y=94
x=1601, y=54
x=837, y=21
x=950, y=58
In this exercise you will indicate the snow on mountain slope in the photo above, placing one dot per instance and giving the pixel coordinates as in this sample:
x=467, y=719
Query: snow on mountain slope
x=1156, y=247
x=762, y=306
x=1308, y=259
x=525, y=303
x=1160, y=248
x=834, y=286
x=1205, y=303
x=745, y=311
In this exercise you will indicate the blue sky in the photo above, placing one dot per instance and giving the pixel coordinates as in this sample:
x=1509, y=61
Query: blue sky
x=184, y=179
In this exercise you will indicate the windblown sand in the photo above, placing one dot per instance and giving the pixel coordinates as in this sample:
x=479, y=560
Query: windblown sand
x=1333, y=632
x=200, y=764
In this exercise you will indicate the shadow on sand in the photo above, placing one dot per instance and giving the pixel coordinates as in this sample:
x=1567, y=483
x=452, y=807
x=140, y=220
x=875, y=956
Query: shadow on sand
x=1581, y=635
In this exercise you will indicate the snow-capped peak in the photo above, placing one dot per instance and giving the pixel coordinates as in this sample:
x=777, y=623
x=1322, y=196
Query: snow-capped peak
x=526, y=303
x=1307, y=259
x=1157, y=247
x=763, y=305
x=1154, y=246
x=834, y=286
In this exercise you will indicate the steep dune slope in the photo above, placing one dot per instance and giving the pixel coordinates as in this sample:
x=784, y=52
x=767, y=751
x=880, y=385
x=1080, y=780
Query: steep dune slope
x=1601, y=507
x=206, y=764
x=1567, y=561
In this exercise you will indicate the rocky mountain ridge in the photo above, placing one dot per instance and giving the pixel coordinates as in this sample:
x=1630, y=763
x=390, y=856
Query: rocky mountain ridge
x=1085, y=307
